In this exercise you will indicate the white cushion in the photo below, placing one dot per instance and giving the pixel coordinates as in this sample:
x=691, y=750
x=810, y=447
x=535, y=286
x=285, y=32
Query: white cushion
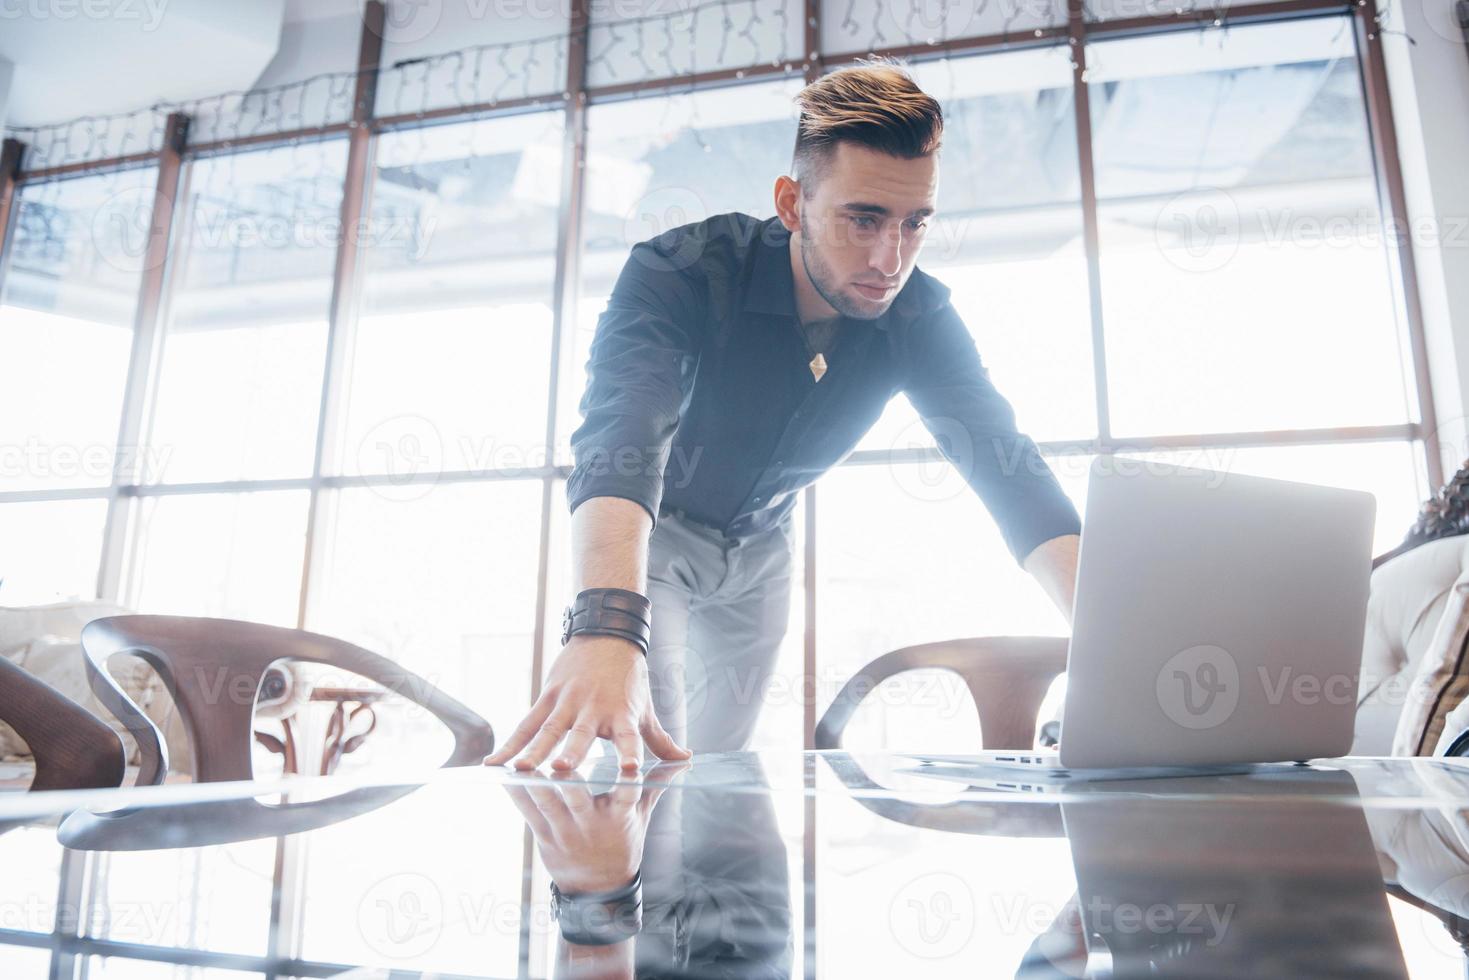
x=1439, y=682
x=20, y=626
x=1407, y=643
x=46, y=642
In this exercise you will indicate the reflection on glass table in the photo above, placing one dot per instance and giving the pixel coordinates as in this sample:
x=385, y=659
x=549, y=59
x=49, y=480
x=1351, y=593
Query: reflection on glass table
x=748, y=864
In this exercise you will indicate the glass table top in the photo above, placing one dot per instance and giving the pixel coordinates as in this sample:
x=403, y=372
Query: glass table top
x=762, y=864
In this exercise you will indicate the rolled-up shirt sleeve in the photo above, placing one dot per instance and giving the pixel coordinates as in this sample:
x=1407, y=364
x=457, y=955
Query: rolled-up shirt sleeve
x=975, y=428
x=634, y=395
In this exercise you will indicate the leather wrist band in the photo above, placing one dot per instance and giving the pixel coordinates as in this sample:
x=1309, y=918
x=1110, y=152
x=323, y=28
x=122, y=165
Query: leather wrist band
x=609, y=612
x=599, y=918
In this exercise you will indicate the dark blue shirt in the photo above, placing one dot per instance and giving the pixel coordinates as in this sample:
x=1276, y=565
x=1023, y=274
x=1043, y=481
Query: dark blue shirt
x=699, y=395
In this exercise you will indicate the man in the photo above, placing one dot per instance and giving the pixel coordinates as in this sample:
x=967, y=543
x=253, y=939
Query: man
x=798, y=329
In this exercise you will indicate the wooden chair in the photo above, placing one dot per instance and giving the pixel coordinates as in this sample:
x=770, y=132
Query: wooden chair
x=213, y=668
x=72, y=749
x=1008, y=677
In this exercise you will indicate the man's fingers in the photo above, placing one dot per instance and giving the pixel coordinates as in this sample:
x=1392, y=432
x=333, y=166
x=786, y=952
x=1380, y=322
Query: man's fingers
x=543, y=744
x=629, y=749
x=578, y=741
x=523, y=733
x=660, y=742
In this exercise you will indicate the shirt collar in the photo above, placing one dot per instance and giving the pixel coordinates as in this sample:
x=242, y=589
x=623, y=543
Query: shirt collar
x=772, y=287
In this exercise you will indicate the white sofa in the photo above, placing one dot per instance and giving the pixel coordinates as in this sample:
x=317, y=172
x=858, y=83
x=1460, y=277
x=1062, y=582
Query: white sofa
x=46, y=642
x=1411, y=696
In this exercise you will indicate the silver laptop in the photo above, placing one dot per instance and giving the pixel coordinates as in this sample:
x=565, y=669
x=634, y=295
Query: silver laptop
x=1219, y=620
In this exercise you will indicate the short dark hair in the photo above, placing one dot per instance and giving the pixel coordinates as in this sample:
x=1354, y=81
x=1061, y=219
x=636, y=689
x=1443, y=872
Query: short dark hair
x=875, y=103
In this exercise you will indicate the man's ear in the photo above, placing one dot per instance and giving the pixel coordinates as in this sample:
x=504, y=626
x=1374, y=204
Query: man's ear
x=787, y=202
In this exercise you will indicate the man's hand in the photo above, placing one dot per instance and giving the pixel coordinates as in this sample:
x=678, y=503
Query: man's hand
x=598, y=687
x=592, y=842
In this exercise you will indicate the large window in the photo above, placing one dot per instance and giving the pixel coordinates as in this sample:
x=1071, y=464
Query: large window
x=391, y=476
x=452, y=351
x=1244, y=274
x=1006, y=239
x=243, y=349
x=75, y=263
x=364, y=431
x=1007, y=243
x=655, y=164
x=1246, y=290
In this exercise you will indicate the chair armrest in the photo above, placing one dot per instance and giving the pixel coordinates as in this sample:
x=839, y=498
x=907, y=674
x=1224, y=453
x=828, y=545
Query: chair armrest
x=1008, y=677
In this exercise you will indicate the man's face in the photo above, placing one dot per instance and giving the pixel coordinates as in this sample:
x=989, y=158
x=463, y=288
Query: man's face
x=862, y=227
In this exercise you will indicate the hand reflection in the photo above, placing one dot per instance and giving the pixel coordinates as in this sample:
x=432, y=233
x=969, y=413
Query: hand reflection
x=592, y=842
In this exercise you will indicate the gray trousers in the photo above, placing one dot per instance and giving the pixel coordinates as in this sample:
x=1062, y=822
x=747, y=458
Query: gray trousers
x=720, y=609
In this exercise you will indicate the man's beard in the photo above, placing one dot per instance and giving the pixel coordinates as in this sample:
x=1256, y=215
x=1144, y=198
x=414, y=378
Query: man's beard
x=824, y=282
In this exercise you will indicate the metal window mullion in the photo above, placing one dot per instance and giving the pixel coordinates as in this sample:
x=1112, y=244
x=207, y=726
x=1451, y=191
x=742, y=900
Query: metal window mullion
x=812, y=57
x=342, y=312
x=345, y=481
x=146, y=350
x=59, y=493
x=289, y=869
x=73, y=896
x=813, y=64
x=1076, y=29
x=565, y=292
x=1396, y=432
x=89, y=167
x=1392, y=203
x=12, y=152
x=288, y=894
x=1215, y=15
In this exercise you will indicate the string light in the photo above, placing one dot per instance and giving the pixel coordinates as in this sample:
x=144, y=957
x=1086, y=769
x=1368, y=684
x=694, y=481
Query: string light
x=654, y=48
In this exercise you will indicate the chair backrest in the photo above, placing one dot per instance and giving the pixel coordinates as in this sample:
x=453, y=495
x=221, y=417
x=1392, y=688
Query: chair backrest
x=1008, y=677
x=213, y=669
x=72, y=749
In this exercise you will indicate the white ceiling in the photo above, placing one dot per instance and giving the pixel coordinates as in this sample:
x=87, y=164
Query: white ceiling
x=69, y=64
x=302, y=10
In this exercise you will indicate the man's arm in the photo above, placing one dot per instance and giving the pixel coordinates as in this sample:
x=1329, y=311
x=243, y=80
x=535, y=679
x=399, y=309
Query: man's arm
x=598, y=685
x=1053, y=564
x=974, y=426
x=609, y=545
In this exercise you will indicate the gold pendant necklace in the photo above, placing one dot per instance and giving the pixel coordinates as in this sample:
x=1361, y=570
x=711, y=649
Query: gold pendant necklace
x=817, y=364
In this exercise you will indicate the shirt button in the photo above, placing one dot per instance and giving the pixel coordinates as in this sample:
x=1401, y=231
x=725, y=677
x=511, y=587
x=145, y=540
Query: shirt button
x=779, y=462
x=756, y=500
